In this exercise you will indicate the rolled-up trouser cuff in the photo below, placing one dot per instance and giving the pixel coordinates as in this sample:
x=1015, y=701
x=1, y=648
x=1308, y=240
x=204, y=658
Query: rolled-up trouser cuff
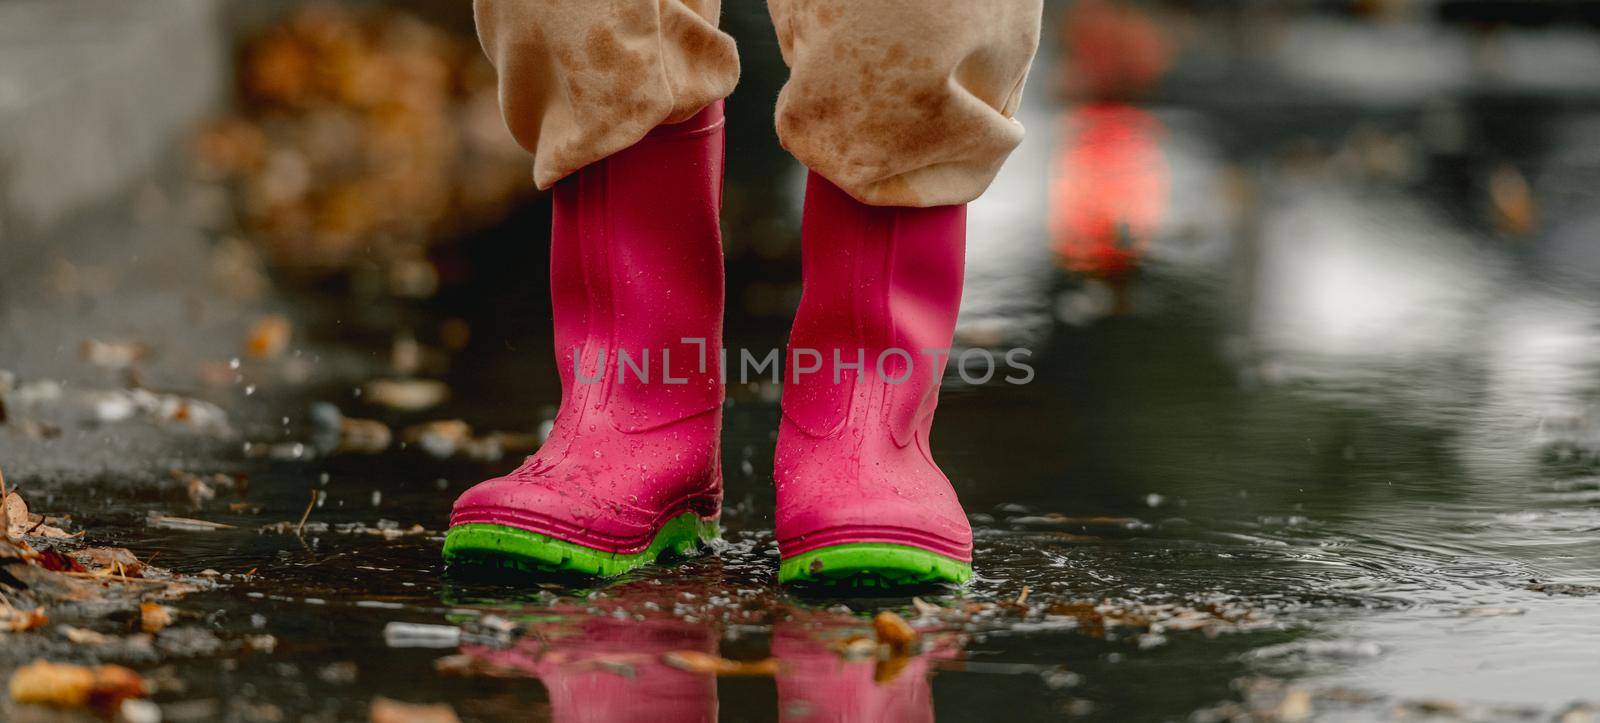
x=583, y=79
x=904, y=102
x=898, y=102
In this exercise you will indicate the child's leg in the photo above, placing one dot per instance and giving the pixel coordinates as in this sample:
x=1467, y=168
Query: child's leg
x=583, y=79
x=904, y=102
x=632, y=465
x=902, y=109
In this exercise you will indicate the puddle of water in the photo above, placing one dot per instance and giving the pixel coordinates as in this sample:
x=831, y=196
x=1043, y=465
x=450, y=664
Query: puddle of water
x=1337, y=455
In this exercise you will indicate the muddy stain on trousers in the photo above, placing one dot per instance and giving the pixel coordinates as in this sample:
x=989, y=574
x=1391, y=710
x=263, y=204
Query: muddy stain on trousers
x=898, y=102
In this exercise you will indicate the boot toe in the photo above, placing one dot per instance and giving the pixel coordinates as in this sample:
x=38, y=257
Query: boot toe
x=926, y=522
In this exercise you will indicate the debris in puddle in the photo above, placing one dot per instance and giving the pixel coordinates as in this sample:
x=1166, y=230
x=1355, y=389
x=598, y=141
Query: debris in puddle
x=115, y=560
x=183, y=524
x=112, y=354
x=406, y=395
x=465, y=665
x=857, y=647
x=387, y=529
x=1056, y=519
x=154, y=617
x=261, y=643
x=449, y=438
x=385, y=710
x=102, y=687
x=47, y=578
x=440, y=439
x=405, y=355
x=420, y=635
x=300, y=527
x=139, y=710
x=34, y=429
x=204, y=488
x=695, y=661
x=83, y=636
x=53, y=560
x=22, y=523
x=37, y=393
x=409, y=358
x=199, y=492
x=341, y=672
x=268, y=337
x=280, y=451
x=1295, y=707
x=14, y=620
x=1270, y=699
x=1562, y=588
x=1146, y=621
x=894, y=632
x=1301, y=651
x=1512, y=200
x=118, y=405
x=338, y=433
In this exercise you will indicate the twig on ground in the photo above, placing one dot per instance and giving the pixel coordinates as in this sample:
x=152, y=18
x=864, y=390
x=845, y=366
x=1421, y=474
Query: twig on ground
x=300, y=528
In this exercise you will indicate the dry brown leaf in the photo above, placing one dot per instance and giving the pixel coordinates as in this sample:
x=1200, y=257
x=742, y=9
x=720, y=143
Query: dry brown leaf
x=75, y=686
x=44, y=682
x=441, y=439
x=385, y=710
x=153, y=617
x=16, y=513
x=115, y=560
x=893, y=631
x=1516, y=208
x=363, y=436
x=13, y=620
x=268, y=337
x=887, y=669
x=54, y=560
x=199, y=492
x=697, y=662
x=83, y=636
x=409, y=395
x=20, y=522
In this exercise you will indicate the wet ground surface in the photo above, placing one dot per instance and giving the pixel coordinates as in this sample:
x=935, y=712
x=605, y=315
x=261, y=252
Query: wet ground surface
x=1332, y=454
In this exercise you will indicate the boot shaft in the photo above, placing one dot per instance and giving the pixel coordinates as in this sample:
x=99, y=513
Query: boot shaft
x=636, y=269
x=882, y=286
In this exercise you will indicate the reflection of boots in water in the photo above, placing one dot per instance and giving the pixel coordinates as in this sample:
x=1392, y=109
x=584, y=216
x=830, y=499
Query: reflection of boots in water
x=610, y=670
x=818, y=684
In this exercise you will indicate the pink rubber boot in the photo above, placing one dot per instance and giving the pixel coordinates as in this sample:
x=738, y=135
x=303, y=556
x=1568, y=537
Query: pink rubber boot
x=631, y=468
x=860, y=500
